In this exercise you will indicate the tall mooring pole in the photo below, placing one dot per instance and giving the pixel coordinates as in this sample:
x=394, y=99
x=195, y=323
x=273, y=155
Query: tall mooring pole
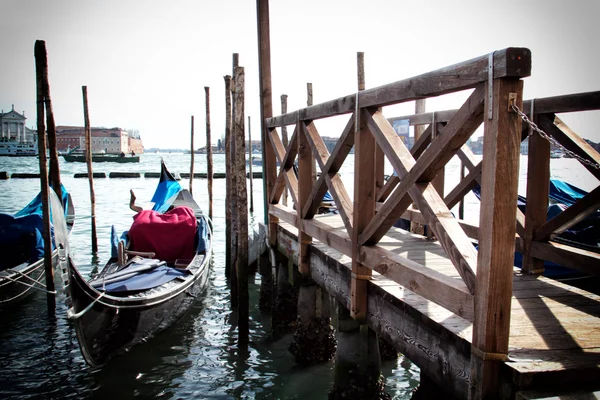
x=41, y=69
x=266, y=111
x=88, y=161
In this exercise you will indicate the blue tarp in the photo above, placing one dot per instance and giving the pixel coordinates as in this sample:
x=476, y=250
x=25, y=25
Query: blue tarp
x=565, y=193
x=21, y=237
x=584, y=234
x=143, y=280
x=166, y=190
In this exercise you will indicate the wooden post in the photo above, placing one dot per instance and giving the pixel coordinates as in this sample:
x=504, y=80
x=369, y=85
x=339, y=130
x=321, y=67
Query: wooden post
x=284, y=138
x=250, y=165
x=209, y=157
x=41, y=69
x=420, y=106
x=232, y=195
x=88, y=160
x=51, y=134
x=242, y=206
x=228, y=188
x=538, y=187
x=266, y=111
x=439, y=181
x=461, y=204
x=306, y=171
x=364, y=202
x=309, y=102
x=191, y=155
x=500, y=180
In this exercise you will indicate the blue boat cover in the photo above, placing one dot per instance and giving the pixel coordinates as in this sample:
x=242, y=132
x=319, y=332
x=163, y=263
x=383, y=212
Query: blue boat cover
x=21, y=237
x=565, y=193
x=35, y=206
x=144, y=280
x=167, y=189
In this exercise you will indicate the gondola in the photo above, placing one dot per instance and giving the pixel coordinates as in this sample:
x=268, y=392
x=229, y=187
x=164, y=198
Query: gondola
x=156, y=271
x=22, y=249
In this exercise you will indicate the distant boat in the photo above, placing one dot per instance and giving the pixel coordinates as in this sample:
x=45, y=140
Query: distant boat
x=17, y=149
x=102, y=158
x=556, y=154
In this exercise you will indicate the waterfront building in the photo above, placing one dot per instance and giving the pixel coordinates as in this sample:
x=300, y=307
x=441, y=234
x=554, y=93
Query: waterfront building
x=104, y=140
x=13, y=129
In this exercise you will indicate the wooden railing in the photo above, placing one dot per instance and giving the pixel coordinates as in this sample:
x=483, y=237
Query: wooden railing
x=534, y=234
x=483, y=295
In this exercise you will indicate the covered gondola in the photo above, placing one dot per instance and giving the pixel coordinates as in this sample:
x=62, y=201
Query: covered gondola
x=22, y=249
x=157, y=270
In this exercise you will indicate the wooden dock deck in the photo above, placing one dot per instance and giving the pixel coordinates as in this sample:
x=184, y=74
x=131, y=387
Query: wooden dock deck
x=554, y=327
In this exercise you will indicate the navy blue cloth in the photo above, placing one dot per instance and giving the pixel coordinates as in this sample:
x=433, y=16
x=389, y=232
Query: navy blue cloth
x=144, y=280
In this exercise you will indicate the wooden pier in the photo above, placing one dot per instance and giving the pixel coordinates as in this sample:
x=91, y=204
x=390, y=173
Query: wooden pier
x=475, y=326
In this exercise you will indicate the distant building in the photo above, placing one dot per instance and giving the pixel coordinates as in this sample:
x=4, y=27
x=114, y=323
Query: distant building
x=108, y=140
x=13, y=127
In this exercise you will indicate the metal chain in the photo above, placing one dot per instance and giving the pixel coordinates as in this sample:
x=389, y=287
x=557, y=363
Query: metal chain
x=553, y=141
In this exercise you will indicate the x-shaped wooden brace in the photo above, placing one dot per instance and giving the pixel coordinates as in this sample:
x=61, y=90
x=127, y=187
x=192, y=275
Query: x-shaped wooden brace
x=415, y=183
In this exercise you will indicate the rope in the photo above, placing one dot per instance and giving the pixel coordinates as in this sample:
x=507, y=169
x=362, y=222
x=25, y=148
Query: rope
x=32, y=286
x=73, y=316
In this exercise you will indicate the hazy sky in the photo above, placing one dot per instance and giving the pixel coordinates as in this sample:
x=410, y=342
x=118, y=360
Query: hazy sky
x=146, y=62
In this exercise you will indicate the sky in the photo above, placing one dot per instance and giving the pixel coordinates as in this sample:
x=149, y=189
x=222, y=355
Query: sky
x=146, y=62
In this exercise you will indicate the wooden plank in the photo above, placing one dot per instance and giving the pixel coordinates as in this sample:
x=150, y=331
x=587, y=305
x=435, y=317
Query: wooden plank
x=332, y=166
x=552, y=125
x=576, y=213
x=566, y=103
x=464, y=186
x=333, y=180
x=449, y=293
x=305, y=182
x=568, y=256
x=286, y=159
x=418, y=148
x=426, y=168
x=538, y=183
x=500, y=177
x=364, y=209
x=509, y=62
x=425, y=117
x=428, y=283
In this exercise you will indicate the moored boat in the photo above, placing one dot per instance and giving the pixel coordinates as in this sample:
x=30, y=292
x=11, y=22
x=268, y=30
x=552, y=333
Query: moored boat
x=156, y=271
x=17, y=149
x=22, y=247
x=71, y=157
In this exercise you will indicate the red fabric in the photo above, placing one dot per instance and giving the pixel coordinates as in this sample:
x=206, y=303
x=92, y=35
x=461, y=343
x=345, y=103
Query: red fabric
x=170, y=235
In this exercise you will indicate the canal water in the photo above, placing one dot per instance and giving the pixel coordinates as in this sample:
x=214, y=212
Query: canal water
x=196, y=358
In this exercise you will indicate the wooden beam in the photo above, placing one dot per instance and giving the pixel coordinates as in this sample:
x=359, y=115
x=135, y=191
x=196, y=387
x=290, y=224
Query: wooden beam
x=364, y=209
x=286, y=174
x=432, y=285
x=426, y=168
x=509, y=62
x=567, y=103
x=464, y=186
x=332, y=166
x=576, y=213
x=553, y=126
x=305, y=182
x=418, y=148
x=568, y=256
x=538, y=183
x=333, y=182
x=500, y=177
x=266, y=109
